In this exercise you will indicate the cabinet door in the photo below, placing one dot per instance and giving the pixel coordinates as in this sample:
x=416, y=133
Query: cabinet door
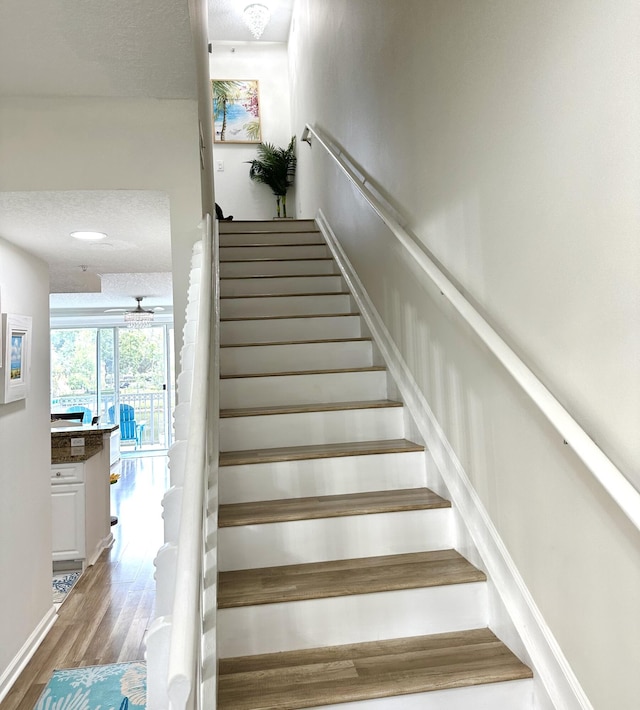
x=67, y=501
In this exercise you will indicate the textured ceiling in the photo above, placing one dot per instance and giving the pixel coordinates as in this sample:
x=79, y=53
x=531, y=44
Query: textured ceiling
x=136, y=222
x=106, y=48
x=103, y=48
x=118, y=291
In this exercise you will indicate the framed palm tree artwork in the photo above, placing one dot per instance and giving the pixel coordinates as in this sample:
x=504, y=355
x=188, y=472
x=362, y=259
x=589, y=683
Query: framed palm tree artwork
x=236, y=111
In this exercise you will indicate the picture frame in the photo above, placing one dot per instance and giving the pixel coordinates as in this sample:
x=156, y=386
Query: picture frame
x=236, y=111
x=15, y=374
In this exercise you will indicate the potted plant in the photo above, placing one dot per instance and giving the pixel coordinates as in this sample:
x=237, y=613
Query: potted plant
x=276, y=168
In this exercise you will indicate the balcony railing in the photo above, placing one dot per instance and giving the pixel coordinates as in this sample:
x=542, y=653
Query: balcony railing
x=150, y=409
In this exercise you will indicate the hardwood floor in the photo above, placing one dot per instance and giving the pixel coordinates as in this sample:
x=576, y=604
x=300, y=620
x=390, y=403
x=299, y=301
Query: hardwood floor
x=105, y=616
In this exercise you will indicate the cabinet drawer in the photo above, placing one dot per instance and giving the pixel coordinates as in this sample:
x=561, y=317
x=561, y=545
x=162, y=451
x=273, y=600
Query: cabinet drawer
x=67, y=473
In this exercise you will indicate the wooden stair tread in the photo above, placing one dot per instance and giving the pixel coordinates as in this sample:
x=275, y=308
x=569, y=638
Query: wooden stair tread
x=295, y=315
x=315, y=407
x=288, y=295
x=296, y=342
x=234, y=232
x=280, y=276
x=336, y=578
x=355, y=672
x=274, y=258
x=275, y=244
x=333, y=506
x=372, y=368
x=318, y=451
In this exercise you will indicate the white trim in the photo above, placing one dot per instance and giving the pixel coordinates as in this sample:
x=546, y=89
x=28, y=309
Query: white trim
x=20, y=660
x=547, y=659
x=103, y=544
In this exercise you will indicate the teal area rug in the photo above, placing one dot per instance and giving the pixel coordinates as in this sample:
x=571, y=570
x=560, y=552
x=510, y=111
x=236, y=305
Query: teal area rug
x=118, y=686
x=62, y=584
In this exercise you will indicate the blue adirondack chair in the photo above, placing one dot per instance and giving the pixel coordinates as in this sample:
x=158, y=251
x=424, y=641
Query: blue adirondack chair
x=87, y=414
x=130, y=429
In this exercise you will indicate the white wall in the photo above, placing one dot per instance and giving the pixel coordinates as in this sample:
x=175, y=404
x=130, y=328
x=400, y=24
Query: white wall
x=25, y=461
x=266, y=62
x=101, y=144
x=506, y=133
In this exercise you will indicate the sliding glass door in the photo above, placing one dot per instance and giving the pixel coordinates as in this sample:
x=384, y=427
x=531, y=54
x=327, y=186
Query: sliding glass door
x=120, y=375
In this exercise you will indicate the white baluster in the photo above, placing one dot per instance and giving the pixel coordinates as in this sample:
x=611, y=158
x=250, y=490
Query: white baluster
x=157, y=658
x=187, y=356
x=184, y=384
x=171, y=504
x=165, y=563
x=181, y=420
x=177, y=457
x=190, y=332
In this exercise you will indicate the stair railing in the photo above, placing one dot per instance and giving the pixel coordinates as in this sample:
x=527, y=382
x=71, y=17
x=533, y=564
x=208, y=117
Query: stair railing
x=175, y=651
x=626, y=496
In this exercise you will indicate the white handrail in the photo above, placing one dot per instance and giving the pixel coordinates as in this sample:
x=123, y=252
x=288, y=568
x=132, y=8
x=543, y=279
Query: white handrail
x=610, y=477
x=186, y=618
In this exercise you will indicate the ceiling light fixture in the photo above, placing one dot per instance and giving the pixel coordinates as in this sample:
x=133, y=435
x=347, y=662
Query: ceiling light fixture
x=88, y=236
x=140, y=317
x=256, y=16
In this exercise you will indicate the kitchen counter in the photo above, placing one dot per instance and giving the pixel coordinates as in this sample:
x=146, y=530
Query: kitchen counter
x=71, y=454
x=81, y=520
x=61, y=426
x=94, y=440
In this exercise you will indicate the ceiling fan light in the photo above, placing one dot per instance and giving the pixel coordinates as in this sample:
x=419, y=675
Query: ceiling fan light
x=138, y=319
x=256, y=17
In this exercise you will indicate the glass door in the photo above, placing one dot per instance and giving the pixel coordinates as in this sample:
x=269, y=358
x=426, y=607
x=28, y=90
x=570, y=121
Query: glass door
x=142, y=388
x=119, y=374
x=73, y=372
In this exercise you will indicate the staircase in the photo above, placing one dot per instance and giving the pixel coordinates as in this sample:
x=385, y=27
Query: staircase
x=338, y=584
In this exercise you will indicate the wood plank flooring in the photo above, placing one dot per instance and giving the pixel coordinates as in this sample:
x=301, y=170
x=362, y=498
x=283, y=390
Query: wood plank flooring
x=336, y=578
x=286, y=317
x=275, y=511
x=378, y=669
x=318, y=451
x=316, y=407
x=105, y=616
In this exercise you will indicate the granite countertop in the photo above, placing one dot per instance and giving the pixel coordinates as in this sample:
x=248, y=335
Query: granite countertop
x=61, y=437
x=66, y=428
x=72, y=454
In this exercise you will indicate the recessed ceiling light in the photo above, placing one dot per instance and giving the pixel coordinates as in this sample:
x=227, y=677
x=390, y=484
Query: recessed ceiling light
x=88, y=236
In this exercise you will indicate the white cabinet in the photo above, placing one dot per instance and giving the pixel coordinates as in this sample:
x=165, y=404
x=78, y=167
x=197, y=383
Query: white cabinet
x=81, y=526
x=67, y=501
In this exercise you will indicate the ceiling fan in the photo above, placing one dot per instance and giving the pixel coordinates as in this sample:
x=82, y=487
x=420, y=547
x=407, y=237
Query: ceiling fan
x=139, y=317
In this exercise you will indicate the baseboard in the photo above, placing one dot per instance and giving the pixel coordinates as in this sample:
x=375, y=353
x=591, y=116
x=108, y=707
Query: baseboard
x=535, y=641
x=104, y=544
x=17, y=665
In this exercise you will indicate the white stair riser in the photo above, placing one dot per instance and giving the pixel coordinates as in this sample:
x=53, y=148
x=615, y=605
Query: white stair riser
x=324, y=539
x=302, y=389
x=281, y=329
x=273, y=251
x=306, y=428
x=284, y=305
x=294, y=357
x=268, y=628
x=314, y=477
x=230, y=240
x=508, y=695
x=282, y=284
x=275, y=227
x=275, y=268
